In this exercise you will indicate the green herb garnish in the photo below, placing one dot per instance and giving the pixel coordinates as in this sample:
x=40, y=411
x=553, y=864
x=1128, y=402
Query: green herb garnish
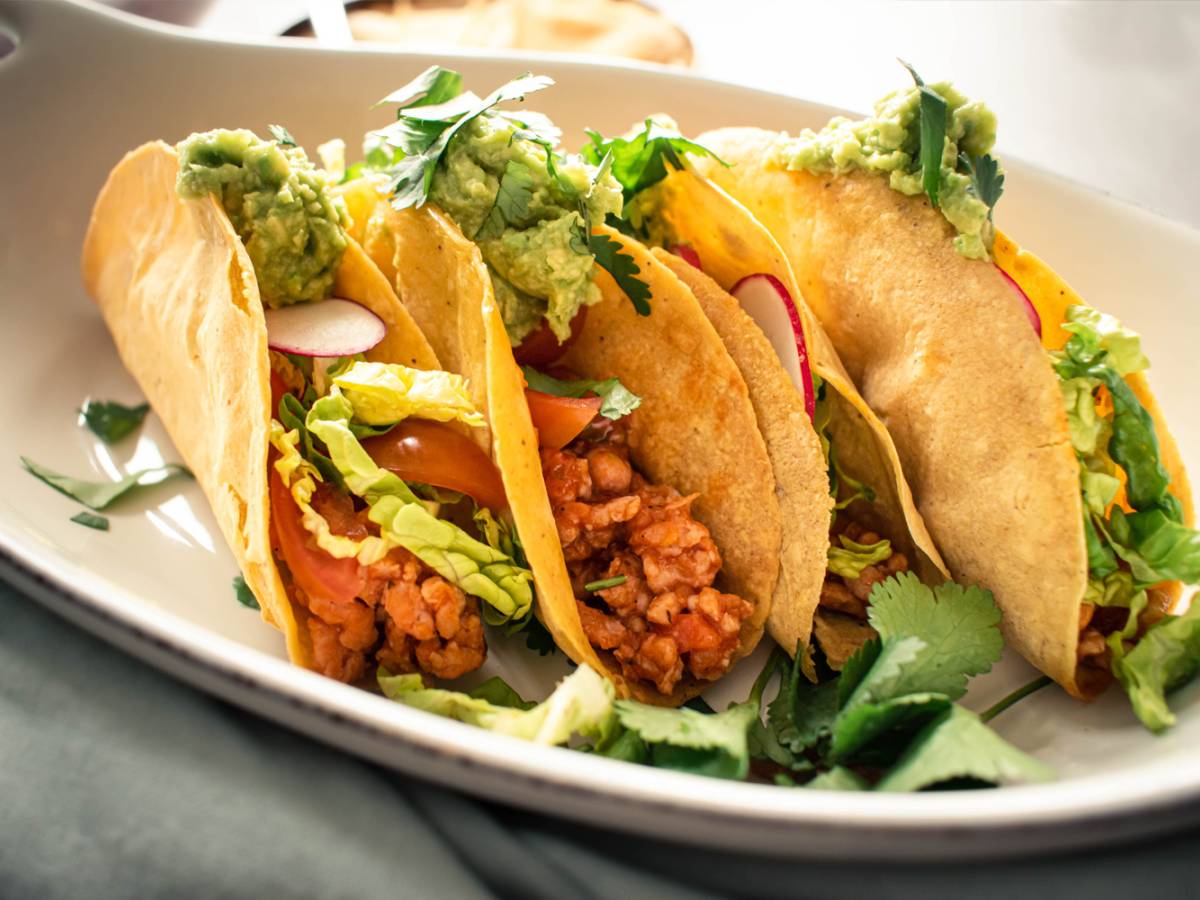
x=98, y=495
x=642, y=161
x=243, y=594
x=111, y=421
x=616, y=399
x=987, y=181
x=281, y=136
x=933, y=112
x=605, y=583
x=622, y=268
x=90, y=520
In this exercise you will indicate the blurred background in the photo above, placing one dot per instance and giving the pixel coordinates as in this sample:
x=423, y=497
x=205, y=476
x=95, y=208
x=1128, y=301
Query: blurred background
x=1105, y=93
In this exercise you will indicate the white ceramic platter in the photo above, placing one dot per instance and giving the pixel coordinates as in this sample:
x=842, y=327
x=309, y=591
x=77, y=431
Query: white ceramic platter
x=84, y=86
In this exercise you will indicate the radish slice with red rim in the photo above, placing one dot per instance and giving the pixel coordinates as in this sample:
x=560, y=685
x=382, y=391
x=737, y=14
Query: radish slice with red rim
x=768, y=303
x=688, y=255
x=1030, y=310
x=327, y=328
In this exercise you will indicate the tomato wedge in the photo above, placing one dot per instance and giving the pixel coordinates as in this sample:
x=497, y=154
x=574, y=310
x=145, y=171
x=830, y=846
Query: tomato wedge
x=540, y=348
x=316, y=572
x=433, y=453
x=559, y=420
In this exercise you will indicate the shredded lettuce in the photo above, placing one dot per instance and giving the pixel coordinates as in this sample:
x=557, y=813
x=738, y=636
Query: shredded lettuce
x=383, y=394
x=581, y=704
x=1167, y=656
x=840, y=483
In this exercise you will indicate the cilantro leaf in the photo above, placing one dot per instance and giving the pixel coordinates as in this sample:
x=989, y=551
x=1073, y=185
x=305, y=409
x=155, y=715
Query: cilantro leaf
x=434, y=85
x=987, y=180
x=933, y=113
x=281, y=136
x=98, y=495
x=686, y=740
x=243, y=594
x=428, y=127
x=958, y=626
x=110, y=421
x=1167, y=656
x=90, y=520
x=617, y=400
x=538, y=639
x=802, y=714
x=957, y=745
x=512, y=201
x=862, y=723
x=623, y=270
x=642, y=160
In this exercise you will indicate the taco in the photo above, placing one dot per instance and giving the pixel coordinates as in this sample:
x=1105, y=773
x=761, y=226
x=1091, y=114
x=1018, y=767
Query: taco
x=1037, y=455
x=355, y=489
x=717, y=247
x=621, y=421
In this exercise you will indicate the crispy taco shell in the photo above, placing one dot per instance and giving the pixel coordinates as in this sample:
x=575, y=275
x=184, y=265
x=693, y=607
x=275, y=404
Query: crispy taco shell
x=732, y=244
x=178, y=293
x=941, y=349
x=695, y=430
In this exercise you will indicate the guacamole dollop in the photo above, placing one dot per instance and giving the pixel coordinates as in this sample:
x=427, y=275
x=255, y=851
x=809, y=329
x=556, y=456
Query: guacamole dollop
x=531, y=233
x=280, y=205
x=889, y=143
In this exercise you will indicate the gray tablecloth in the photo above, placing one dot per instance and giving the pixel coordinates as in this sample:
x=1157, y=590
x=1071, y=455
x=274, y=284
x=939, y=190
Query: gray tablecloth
x=116, y=781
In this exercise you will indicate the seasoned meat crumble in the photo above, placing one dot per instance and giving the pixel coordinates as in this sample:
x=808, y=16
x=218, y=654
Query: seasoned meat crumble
x=664, y=619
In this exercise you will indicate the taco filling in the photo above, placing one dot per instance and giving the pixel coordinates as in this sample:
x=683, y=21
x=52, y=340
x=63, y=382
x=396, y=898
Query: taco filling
x=641, y=566
x=377, y=489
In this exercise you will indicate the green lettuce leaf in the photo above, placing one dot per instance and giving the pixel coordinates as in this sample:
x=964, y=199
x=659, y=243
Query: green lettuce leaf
x=616, y=399
x=957, y=745
x=1097, y=332
x=1156, y=546
x=582, y=703
x=475, y=567
x=838, y=778
x=384, y=394
x=851, y=558
x=1167, y=656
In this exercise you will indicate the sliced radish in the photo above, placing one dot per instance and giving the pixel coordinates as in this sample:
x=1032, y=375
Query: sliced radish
x=1030, y=310
x=327, y=328
x=768, y=303
x=688, y=255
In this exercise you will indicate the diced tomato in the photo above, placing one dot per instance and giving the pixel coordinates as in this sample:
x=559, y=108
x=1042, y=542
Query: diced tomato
x=694, y=632
x=540, y=348
x=315, y=572
x=433, y=453
x=559, y=420
x=278, y=389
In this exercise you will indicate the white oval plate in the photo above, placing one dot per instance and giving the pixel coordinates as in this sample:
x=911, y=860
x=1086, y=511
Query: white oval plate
x=85, y=85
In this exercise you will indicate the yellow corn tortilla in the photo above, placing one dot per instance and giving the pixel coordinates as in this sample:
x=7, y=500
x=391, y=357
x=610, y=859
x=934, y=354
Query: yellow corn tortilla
x=942, y=351
x=695, y=430
x=178, y=293
x=732, y=244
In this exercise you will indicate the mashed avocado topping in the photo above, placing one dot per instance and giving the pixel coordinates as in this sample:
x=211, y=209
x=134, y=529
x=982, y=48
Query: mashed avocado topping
x=499, y=176
x=523, y=209
x=279, y=204
x=892, y=142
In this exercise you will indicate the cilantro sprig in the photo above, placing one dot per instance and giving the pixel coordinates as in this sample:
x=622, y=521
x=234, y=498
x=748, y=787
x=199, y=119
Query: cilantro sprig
x=645, y=159
x=432, y=109
x=99, y=495
x=890, y=717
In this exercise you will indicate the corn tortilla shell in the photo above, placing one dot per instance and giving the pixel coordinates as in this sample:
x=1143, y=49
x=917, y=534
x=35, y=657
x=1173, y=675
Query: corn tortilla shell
x=732, y=244
x=695, y=429
x=178, y=293
x=942, y=350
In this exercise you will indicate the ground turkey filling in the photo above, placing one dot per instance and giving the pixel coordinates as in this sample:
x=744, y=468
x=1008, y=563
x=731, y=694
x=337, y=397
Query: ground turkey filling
x=850, y=596
x=405, y=617
x=665, y=620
